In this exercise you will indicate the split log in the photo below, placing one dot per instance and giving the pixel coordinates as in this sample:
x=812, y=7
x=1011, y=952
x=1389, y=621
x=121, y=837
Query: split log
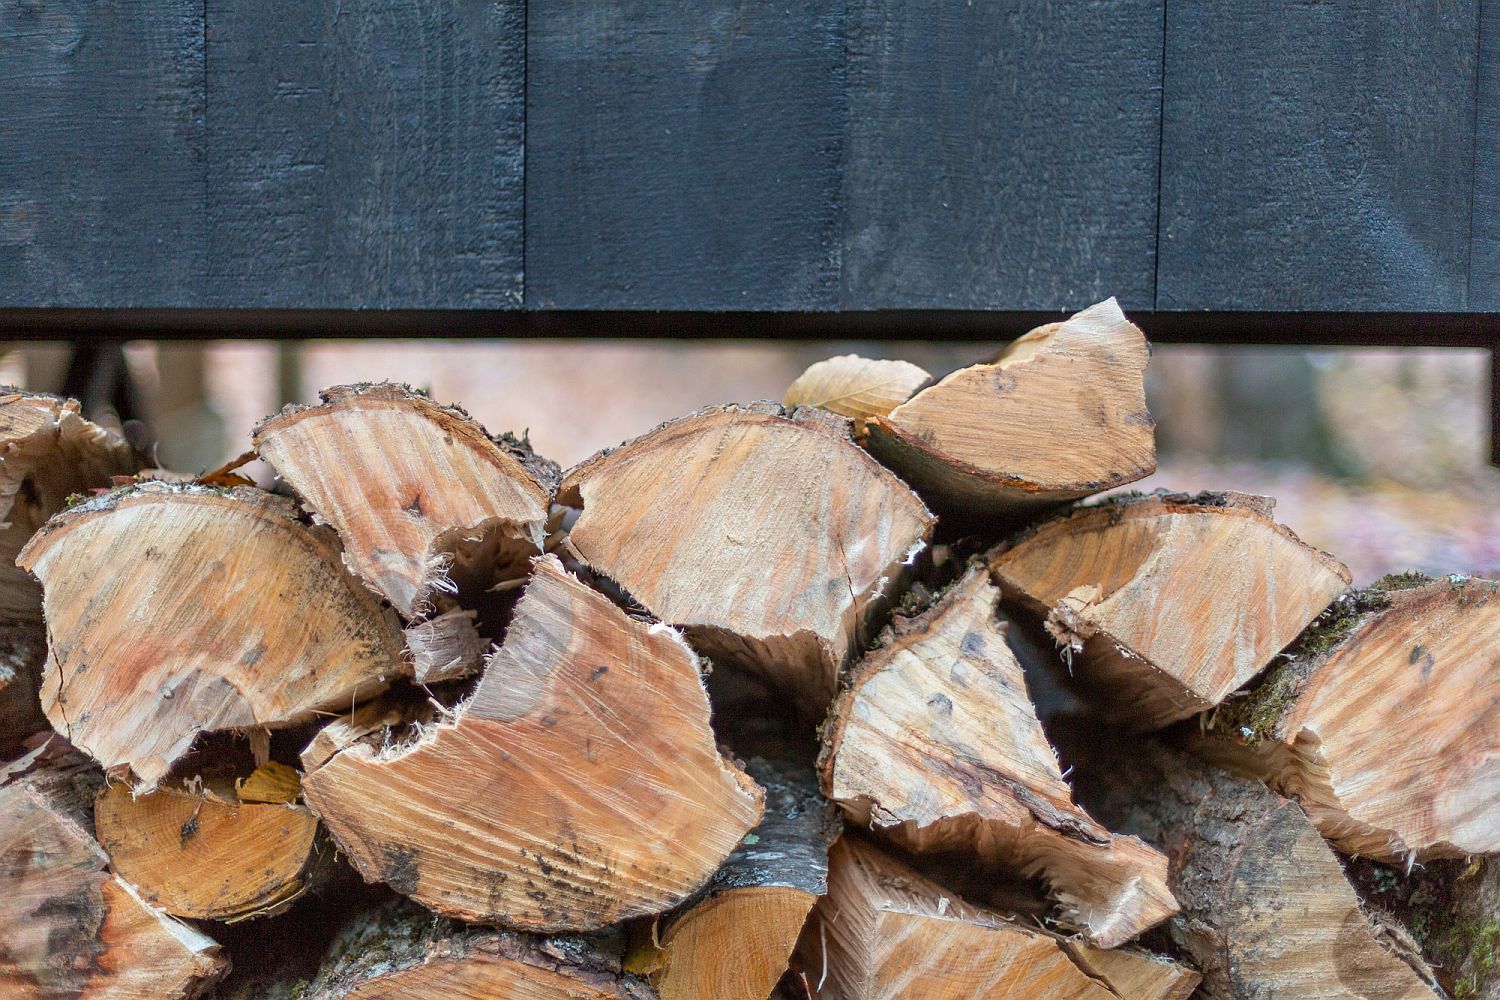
x=1384, y=721
x=399, y=951
x=177, y=609
x=528, y=807
x=884, y=931
x=421, y=496
x=445, y=647
x=1266, y=908
x=70, y=928
x=1165, y=604
x=856, y=387
x=1061, y=414
x=769, y=538
x=735, y=941
x=1133, y=973
x=935, y=744
x=207, y=852
x=1452, y=908
x=48, y=451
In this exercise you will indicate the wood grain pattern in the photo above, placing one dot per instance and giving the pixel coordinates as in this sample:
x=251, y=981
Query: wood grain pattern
x=1484, y=260
x=1335, y=175
x=101, y=154
x=683, y=155
x=1001, y=156
x=366, y=154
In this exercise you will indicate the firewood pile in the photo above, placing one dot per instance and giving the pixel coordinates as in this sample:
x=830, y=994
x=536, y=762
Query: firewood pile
x=840, y=698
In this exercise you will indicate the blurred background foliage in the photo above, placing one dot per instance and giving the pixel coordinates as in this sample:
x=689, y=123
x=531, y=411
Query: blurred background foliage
x=1377, y=456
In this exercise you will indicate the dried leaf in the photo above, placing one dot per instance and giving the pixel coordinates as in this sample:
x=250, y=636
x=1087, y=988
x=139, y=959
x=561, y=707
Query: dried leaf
x=856, y=387
x=270, y=782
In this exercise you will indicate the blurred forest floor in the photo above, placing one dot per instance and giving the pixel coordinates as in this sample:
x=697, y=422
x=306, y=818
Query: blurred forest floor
x=1380, y=457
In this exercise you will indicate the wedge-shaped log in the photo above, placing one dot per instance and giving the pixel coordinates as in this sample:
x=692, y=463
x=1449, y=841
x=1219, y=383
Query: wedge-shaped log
x=175, y=610
x=1266, y=908
x=1164, y=604
x=68, y=928
x=935, y=744
x=399, y=951
x=1135, y=974
x=203, y=853
x=418, y=492
x=1383, y=722
x=769, y=538
x=1061, y=414
x=855, y=387
x=885, y=932
x=48, y=451
x=579, y=786
x=735, y=941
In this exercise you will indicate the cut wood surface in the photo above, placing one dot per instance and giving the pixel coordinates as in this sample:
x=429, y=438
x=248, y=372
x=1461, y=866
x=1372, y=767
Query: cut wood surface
x=1061, y=414
x=934, y=743
x=70, y=928
x=205, y=854
x=1266, y=908
x=734, y=942
x=1164, y=604
x=1385, y=721
x=885, y=932
x=47, y=452
x=420, y=495
x=579, y=786
x=444, y=647
x=400, y=951
x=174, y=610
x=1135, y=974
x=769, y=538
x=855, y=387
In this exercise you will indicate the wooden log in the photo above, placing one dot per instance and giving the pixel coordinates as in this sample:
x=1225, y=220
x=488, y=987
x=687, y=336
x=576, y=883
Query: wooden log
x=1061, y=414
x=1134, y=973
x=855, y=387
x=769, y=538
x=70, y=928
x=1383, y=721
x=885, y=931
x=735, y=941
x=597, y=791
x=179, y=609
x=421, y=496
x=1451, y=909
x=1266, y=908
x=201, y=849
x=935, y=744
x=1164, y=604
x=48, y=451
x=399, y=951
x=445, y=647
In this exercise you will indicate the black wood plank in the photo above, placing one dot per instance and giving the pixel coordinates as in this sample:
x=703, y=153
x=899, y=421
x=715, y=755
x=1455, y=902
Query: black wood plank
x=367, y=153
x=1484, y=264
x=1001, y=155
x=101, y=158
x=683, y=154
x=1317, y=155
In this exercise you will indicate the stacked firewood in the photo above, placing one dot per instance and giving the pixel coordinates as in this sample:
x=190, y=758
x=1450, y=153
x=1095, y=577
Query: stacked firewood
x=839, y=698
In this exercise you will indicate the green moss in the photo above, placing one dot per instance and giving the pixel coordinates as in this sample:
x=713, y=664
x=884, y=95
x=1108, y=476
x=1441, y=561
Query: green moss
x=1400, y=581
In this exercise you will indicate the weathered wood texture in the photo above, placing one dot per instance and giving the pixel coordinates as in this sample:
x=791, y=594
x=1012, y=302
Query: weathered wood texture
x=366, y=154
x=1484, y=259
x=101, y=154
x=1001, y=156
x=1334, y=174
x=683, y=155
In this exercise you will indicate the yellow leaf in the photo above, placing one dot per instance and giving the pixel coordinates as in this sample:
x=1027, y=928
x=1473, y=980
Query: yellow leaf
x=270, y=782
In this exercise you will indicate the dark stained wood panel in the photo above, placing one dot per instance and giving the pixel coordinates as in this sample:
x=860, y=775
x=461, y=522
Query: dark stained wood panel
x=1484, y=265
x=101, y=153
x=366, y=153
x=1318, y=155
x=684, y=154
x=1002, y=155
